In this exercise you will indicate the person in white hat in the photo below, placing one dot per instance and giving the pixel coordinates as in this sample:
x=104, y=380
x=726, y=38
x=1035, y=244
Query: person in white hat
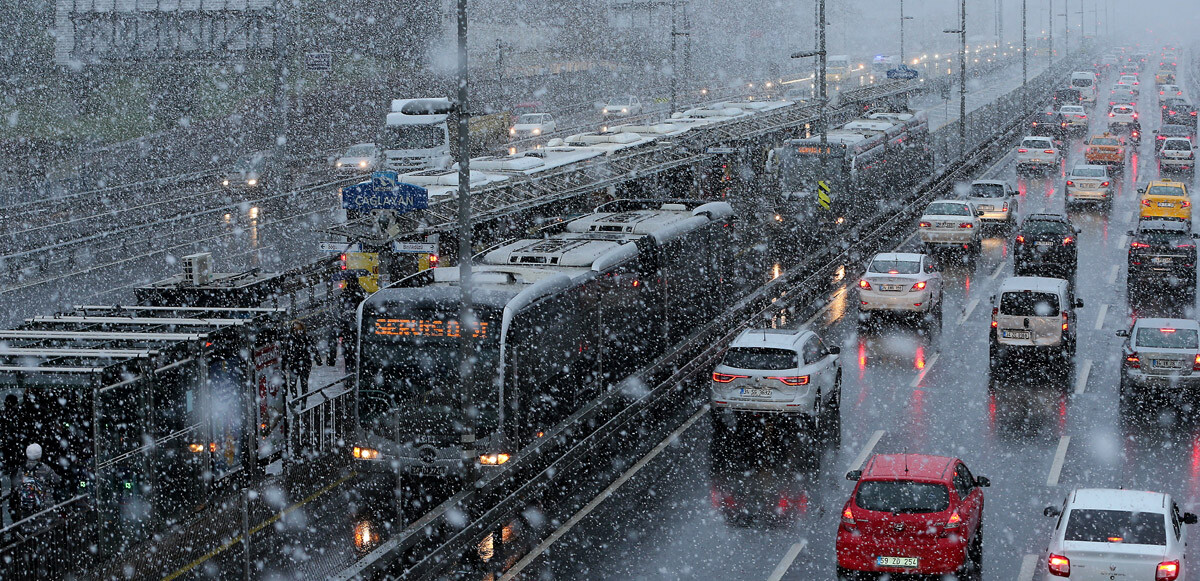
x=35, y=485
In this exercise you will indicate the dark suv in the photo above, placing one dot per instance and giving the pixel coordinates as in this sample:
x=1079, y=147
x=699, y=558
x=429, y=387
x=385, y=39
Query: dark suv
x=1178, y=112
x=1045, y=245
x=1163, y=252
x=1050, y=124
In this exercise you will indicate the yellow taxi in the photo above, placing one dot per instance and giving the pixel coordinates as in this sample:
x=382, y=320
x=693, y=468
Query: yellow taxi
x=1106, y=149
x=1166, y=199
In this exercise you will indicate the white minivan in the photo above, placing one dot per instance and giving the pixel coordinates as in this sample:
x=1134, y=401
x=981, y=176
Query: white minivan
x=1085, y=82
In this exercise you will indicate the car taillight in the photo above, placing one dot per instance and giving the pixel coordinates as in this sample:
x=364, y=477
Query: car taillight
x=1186, y=204
x=1059, y=565
x=1112, y=114
x=924, y=224
x=1020, y=239
x=1196, y=363
x=1136, y=244
x=1146, y=203
x=1070, y=183
x=1133, y=361
x=1104, y=185
x=848, y=517
x=995, y=311
x=918, y=286
x=1022, y=150
x=793, y=380
x=863, y=284
x=1170, y=112
x=726, y=377
x=1068, y=240
x=954, y=521
x=1167, y=571
x=1048, y=151
x=1064, y=316
x=966, y=225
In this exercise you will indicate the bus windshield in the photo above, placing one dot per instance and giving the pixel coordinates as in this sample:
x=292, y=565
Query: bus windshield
x=409, y=376
x=799, y=171
x=415, y=136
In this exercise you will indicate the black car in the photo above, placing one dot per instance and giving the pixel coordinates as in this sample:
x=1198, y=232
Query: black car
x=1045, y=245
x=1162, y=252
x=1067, y=96
x=1050, y=124
x=1172, y=130
x=1179, y=114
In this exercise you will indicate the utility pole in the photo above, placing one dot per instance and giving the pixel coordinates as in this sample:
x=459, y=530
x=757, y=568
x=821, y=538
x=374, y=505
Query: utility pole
x=1050, y=33
x=902, y=19
x=466, y=347
x=1024, y=57
x=822, y=90
x=962, y=74
x=674, y=68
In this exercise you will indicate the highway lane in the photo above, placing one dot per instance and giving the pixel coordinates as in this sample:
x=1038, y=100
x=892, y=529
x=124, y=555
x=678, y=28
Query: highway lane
x=1035, y=438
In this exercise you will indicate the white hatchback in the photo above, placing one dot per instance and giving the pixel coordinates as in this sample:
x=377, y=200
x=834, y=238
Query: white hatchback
x=1104, y=534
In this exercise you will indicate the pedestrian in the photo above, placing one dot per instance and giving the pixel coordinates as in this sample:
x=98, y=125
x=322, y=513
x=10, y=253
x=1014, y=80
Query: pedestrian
x=352, y=295
x=298, y=352
x=36, y=486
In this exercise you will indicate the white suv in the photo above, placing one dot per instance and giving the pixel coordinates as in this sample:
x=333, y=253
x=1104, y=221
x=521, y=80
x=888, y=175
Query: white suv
x=995, y=201
x=1105, y=533
x=779, y=371
x=1160, y=357
x=1033, y=315
x=1037, y=152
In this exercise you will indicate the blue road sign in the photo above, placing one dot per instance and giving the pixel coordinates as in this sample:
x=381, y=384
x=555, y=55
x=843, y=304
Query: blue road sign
x=385, y=191
x=902, y=72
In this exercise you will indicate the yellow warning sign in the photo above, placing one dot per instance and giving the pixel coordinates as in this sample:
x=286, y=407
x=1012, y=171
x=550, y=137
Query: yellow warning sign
x=823, y=194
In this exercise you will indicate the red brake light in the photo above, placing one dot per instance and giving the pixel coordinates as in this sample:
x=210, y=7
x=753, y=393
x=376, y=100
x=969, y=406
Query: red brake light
x=995, y=311
x=1146, y=203
x=1171, y=112
x=954, y=521
x=1111, y=114
x=919, y=286
x=1104, y=185
x=1064, y=324
x=1022, y=150
x=1133, y=361
x=1136, y=244
x=847, y=517
x=1187, y=204
x=1049, y=151
x=1068, y=240
x=966, y=225
x=1059, y=565
x=1070, y=183
x=925, y=224
x=793, y=380
x=1020, y=239
x=725, y=377
x=1196, y=363
x=863, y=284
x=1167, y=571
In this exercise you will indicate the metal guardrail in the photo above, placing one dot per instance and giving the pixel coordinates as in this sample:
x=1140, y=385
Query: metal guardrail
x=47, y=544
x=666, y=375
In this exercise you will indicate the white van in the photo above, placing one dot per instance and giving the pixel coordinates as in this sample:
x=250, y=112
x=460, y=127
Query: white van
x=1085, y=82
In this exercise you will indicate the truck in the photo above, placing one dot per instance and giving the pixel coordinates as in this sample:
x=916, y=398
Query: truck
x=419, y=134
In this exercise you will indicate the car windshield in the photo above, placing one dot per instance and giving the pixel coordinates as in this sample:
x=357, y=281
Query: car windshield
x=766, y=358
x=1089, y=172
x=1029, y=304
x=1116, y=526
x=1170, y=130
x=621, y=101
x=948, y=209
x=1161, y=237
x=1177, y=145
x=252, y=163
x=987, y=191
x=361, y=151
x=1036, y=144
x=1166, y=338
x=1081, y=82
x=1165, y=191
x=1072, y=109
x=887, y=266
x=1035, y=226
x=1122, y=110
x=902, y=496
x=1105, y=141
x=532, y=118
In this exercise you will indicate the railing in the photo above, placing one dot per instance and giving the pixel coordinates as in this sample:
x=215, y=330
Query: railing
x=321, y=421
x=49, y=543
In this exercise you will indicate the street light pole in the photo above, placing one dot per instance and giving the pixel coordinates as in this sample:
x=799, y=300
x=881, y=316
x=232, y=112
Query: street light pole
x=902, y=19
x=822, y=90
x=674, y=72
x=1050, y=33
x=1024, y=56
x=465, y=315
x=962, y=74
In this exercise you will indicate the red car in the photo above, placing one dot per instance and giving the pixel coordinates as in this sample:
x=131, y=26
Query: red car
x=912, y=513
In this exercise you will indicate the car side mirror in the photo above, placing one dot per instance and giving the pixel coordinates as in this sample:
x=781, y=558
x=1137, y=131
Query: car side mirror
x=1130, y=233
x=1077, y=230
x=1189, y=518
x=1123, y=333
x=1051, y=511
x=1195, y=235
x=982, y=481
x=1079, y=303
x=854, y=475
x=1141, y=190
x=979, y=212
x=834, y=350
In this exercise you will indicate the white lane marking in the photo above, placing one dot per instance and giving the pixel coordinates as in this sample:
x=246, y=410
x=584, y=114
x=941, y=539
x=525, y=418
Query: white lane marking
x=786, y=563
x=1082, y=377
x=1060, y=456
x=1028, y=568
x=862, y=456
x=995, y=273
x=1112, y=275
x=921, y=376
x=1100, y=317
x=970, y=309
x=828, y=305
x=1128, y=217
x=909, y=239
x=590, y=506
x=1124, y=241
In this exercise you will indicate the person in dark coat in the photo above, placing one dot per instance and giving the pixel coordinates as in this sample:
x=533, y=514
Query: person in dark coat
x=298, y=352
x=36, y=485
x=352, y=295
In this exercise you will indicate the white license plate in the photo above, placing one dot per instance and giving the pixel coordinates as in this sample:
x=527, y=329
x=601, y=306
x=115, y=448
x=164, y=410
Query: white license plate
x=891, y=287
x=1043, y=244
x=1160, y=260
x=1166, y=205
x=896, y=561
x=985, y=207
x=945, y=224
x=1013, y=334
x=755, y=392
x=1167, y=363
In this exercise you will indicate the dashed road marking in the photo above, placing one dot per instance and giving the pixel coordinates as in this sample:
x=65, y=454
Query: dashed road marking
x=1082, y=377
x=995, y=273
x=1128, y=217
x=1112, y=275
x=1028, y=568
x=866, y=451
x=970, y=309
x=1100, y=316
x=921, y=376
x=590, y=506
x=1060, y=456
x=828, y=305
x=1124, y=241
x=786, y=562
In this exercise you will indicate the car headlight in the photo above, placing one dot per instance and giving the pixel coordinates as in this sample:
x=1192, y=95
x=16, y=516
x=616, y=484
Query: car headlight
x=604, y=110
x=493, y=459
x=624, y=110
x=225, y=182
x=252, y=182
x=362, y=163
x=340, y=164
x=512, y=130
x=366, y=453
x=537, y=132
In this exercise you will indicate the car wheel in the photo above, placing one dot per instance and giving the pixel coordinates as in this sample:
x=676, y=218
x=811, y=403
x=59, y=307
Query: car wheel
x=995, y=360
x=975, y=553
x=846, y=574
x=831, y=424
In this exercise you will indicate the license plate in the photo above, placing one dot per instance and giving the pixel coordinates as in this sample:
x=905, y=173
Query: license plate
x=945, y=224
x=891, y=287
x=985, y=207
x=1012, y=334
x=1160, y=260
x=1043, y=244
x=1167, y=363
x=755, y=392
x=896, y=561
x=1166, y=205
